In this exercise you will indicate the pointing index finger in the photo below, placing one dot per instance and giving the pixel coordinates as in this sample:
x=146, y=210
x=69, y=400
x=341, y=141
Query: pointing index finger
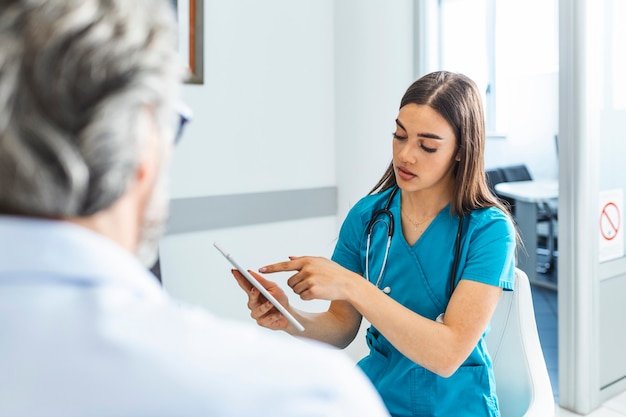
x=292, y=265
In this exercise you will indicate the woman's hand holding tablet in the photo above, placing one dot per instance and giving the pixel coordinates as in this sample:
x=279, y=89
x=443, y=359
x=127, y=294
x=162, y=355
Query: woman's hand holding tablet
x=260, y=287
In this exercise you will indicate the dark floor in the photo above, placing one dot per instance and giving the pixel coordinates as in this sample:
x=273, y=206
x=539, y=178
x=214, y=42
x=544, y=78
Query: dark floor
x=546, y=315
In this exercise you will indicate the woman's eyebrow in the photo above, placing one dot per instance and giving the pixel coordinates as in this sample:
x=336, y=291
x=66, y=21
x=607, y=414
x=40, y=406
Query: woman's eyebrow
x=429, y=136
x=401, y=125
x=421, y=134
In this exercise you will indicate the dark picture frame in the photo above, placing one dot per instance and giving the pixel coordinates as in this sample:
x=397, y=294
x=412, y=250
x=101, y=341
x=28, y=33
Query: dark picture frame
x=190, y=15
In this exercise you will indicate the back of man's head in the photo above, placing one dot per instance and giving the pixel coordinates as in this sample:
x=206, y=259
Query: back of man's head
x=75, y=76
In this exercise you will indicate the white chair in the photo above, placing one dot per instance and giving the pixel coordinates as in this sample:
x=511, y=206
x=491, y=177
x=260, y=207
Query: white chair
x=522, y=380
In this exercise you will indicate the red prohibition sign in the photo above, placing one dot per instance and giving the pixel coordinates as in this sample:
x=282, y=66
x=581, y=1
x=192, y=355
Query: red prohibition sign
x=609, y=221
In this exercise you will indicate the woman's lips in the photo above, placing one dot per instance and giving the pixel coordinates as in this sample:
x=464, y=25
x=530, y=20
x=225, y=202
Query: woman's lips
x=405, y=175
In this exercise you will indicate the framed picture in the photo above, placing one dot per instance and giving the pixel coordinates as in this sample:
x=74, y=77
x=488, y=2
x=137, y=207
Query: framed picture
x=190, y=14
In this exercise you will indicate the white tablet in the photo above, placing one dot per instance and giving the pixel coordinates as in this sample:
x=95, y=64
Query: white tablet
x=260, y=287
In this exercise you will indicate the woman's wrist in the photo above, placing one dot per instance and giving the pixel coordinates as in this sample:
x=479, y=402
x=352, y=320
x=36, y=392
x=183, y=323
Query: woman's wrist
x=354, y=287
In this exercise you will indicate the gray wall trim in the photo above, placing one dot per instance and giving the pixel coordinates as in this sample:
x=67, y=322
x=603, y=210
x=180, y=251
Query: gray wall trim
x=223, y=211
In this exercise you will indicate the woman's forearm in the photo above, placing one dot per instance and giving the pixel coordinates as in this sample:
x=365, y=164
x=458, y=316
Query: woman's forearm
x=337, y=327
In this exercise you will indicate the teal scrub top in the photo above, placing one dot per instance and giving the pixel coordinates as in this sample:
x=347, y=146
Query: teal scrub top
x=418, y=277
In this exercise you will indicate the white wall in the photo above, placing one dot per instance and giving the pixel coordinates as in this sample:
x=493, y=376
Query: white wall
x=263, y=121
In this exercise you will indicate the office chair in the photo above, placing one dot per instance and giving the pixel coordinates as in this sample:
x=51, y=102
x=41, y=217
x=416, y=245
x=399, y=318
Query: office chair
x=496, y=176
x=522, y=380
x=545, y=213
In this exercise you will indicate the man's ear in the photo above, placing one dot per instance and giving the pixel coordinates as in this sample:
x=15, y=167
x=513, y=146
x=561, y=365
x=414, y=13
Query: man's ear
x=122, y=221
x=150, y=156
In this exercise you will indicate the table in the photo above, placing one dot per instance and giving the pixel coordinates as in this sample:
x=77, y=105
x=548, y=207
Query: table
x=526, y=195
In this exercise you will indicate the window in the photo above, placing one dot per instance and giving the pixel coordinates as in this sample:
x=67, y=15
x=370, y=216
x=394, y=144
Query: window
x=493, y=42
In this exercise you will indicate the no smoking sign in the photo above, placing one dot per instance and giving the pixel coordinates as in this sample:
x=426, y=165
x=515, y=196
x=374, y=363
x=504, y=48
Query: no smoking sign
x=610, y=220
x=611, y=234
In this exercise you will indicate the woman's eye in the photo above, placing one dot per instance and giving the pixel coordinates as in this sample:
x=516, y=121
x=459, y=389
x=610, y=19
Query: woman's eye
x=427, y=149
x=399, y=137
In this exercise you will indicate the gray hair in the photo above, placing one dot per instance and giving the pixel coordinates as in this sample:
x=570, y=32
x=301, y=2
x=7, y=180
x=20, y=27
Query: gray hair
x=75, y=76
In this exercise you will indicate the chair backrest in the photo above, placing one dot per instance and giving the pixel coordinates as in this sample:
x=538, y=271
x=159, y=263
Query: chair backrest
x=516, y=173
x=494, y=176
x=522, y=380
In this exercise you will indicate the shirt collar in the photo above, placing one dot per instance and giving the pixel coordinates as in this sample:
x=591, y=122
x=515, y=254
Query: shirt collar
x=58, y=248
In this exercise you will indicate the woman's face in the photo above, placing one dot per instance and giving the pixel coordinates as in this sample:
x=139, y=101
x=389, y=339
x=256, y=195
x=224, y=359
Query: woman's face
x=424, y=149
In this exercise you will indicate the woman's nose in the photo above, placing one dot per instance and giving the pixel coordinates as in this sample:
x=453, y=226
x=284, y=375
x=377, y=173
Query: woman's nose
x=407, y=153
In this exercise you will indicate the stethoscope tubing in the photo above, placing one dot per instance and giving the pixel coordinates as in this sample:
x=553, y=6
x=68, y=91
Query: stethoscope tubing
x=390, y=229
x=385, y=212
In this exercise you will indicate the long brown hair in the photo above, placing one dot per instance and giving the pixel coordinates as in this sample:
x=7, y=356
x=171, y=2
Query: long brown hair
x=457, y=99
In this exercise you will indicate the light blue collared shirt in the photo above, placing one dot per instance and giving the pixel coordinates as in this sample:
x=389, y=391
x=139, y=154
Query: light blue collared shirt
x=85, y=330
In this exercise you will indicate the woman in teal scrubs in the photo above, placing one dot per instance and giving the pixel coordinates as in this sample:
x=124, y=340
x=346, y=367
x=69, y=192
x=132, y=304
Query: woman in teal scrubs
x=430, y=294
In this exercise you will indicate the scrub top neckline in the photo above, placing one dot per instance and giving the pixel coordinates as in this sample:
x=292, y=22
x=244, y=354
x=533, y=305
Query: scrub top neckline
x=398, y=214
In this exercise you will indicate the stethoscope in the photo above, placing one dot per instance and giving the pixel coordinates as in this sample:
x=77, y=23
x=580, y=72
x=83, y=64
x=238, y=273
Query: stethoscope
x=379, y=216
